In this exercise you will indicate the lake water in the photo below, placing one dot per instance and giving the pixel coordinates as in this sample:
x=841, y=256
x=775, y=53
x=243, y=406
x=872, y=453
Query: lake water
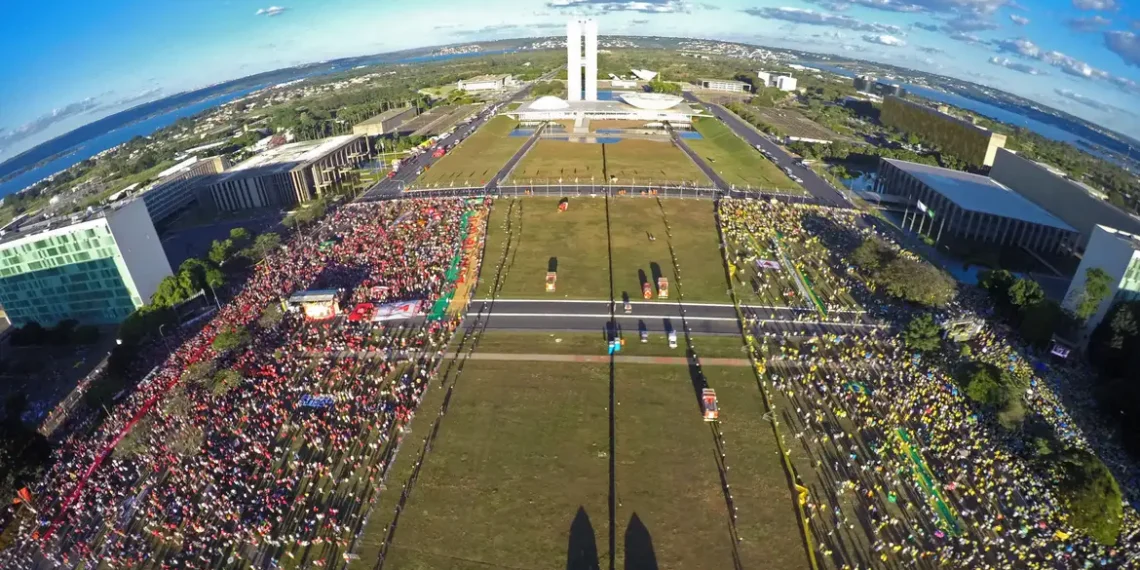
x=150, y=125
x=979, y=107
x=114, y=138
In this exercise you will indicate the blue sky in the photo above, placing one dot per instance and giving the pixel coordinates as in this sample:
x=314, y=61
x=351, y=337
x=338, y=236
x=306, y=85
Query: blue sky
x=68, y=63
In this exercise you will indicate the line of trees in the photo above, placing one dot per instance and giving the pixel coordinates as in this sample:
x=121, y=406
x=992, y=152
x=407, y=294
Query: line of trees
x=903, y=275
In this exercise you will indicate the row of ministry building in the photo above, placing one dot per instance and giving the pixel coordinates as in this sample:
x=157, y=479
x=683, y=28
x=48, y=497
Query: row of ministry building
x=100, y=265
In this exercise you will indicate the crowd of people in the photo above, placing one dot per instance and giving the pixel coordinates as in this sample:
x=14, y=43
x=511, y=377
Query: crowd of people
x=903, y=470
x=285, y=461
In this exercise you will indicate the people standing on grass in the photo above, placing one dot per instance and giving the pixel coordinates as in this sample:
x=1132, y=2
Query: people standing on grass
x=843, y=399
x=285, y=462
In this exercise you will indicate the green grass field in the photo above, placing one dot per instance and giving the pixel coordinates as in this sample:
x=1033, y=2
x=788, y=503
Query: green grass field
x=630, y=161
x=695, y=244
x=634, y=161
x=595, y=343
x=735, y=161
x=522, y=451
x=575, y=243
x=476, y=160
x=519, y=474
x=549, y=160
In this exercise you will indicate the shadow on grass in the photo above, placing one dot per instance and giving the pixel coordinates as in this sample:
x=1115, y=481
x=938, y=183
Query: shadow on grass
x=582, y=551
x=639, y=554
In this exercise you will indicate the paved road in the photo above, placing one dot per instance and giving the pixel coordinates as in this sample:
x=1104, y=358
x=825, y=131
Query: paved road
x=519, y=154
x=390, y=187
x=700, y=162
x=816, y=186
x=654, y=317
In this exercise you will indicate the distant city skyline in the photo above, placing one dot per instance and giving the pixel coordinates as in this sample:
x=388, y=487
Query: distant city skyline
x=79, y=62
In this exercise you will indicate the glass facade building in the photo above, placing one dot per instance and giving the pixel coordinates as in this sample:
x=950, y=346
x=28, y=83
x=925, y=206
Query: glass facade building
x=96, y=270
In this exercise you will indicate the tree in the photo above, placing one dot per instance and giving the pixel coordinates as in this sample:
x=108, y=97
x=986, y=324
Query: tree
x=239, y=237
x=265, y=244
x=220, y=251
x=224, y=381
x=1092, y=495
x=271, y=316
x=997, y=282
x=230, y=338
x=917, y=282
x=991, y=386
x=1025, y=292
x=923, y=334
x=657, y=85
x=169, y=292
x=1098, y=285
x=872, y=254
x=1041, y=320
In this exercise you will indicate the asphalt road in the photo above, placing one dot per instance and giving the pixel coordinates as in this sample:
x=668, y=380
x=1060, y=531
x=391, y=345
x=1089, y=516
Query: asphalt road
x=519, y=154
x=654, y=317
x=390, y=187
x=816, y=186
x=700, y=162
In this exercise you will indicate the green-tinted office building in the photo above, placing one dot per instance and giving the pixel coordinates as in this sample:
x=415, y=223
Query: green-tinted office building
x=95, y=268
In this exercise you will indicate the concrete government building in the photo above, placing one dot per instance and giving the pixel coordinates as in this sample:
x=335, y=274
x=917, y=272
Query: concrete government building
x=582, y=103
x=1075, y=203
x=290, y=174
x=384, y=123
x=176, y=187
x=972, y=207
x=95, y=268
x=961, y=138
x=1118, y=254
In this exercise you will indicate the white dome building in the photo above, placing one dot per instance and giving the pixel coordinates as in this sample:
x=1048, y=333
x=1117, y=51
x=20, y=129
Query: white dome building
x=650, y=101
x=549, y=103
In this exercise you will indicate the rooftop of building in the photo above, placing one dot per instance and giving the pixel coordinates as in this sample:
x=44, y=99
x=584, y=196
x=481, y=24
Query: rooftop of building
x=178, y=167
x=286, y=157
x=1132, y=240
x=977, y=193
x=946, y=116
x=33, y=226
x=384, y=116
x=714, y=80
x=486, y=78
x=550, y=103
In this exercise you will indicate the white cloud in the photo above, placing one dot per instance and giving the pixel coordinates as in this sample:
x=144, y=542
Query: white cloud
x=811, y=17
x=1090, y=102
x=1124, y=44
x=271, y=11
x=884, y=39
x=1088, y=25
x=607, y=6
x=1102, y=5
x=1018, y=19
x=1016, y=66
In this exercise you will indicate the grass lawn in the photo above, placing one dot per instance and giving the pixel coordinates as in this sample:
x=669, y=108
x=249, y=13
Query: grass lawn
x=671, y=509
x=653, y=162
x=576, y=241
x=736, y=161
x=520, y=470
x=766, y=517
x=476, y=160
x=708, y=346
x=549, y=160
x=573, y=241
x=694, y=242
x=649, y=162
